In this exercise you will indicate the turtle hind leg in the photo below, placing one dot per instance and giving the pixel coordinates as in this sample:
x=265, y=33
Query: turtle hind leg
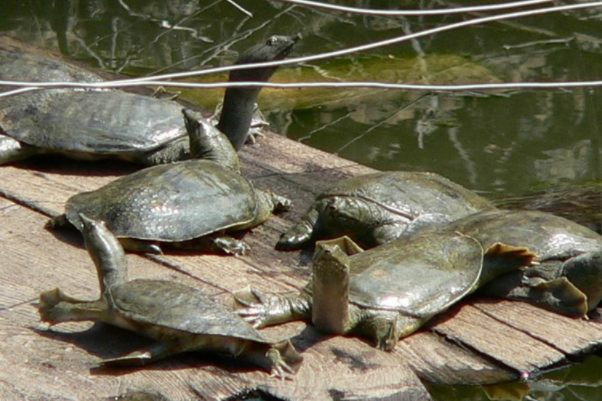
x=145, y=356
x=558, y=295
x=585, y=272
x=56, y=307
x=281, y=359
x=176, y=150
x=12, y=150
x=140, y=246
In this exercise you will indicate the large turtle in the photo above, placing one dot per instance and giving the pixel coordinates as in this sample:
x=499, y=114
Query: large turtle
x=568, y=279
x=387, y=292
x=95, y=124
x=374, y=209
x=188, y=204
x=179, y=317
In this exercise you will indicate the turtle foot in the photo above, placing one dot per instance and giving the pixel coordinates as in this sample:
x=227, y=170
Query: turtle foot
x=230, y=246
x=284, y=359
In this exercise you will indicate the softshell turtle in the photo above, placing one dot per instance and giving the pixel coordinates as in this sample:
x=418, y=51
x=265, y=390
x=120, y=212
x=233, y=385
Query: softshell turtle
x=387, y=292
x=374, y=209
x=186, y=204
x=96, y=124
x=179, y=317
x=568, y=279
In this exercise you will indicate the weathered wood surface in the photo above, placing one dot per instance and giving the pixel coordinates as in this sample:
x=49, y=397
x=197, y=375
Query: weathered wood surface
x=479, y=341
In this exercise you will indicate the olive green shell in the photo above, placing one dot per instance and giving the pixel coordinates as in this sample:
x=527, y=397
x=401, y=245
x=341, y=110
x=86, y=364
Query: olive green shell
x=99, y=122
x=180, y=307
x=419, y=275
x=170, y=203
x=549, y=236
x=94, y=122
x=411, y=194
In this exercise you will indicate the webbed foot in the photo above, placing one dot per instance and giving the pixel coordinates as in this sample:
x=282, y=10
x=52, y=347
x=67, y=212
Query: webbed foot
x=252, y=306
x=284, y=359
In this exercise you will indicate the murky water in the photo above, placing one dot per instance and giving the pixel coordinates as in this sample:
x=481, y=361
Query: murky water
x=497, y=143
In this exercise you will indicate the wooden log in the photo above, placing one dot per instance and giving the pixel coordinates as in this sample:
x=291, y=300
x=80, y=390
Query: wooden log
x=476, y=342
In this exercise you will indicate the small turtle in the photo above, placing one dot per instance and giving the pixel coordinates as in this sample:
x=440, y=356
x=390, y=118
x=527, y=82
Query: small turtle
x=179, y=317
x=376, y=208
x=568, y=279
x=188, y=204
x=387, y=292
x=96, y=124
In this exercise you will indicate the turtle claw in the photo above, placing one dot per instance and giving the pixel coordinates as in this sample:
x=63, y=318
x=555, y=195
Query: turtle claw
x=284, y=360
x=260, y=310
x=230, y=246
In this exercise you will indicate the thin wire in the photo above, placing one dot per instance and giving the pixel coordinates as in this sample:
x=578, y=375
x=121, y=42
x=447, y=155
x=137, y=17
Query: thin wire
x=367, y=84
x=152, y=80
x=18, y=91
x=443, y=11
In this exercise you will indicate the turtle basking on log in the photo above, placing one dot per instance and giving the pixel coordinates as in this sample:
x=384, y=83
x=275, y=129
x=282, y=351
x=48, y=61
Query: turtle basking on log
x=376, y=208
x=96, y=124
x=186, y=205
x=390, y=291
x=568, y=277
x=181, y=318
x=387, y=292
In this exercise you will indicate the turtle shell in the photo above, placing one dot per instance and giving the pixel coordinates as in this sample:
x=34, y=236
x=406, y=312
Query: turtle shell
x=92, y=121
x=410, y=194
x=178, y=307
x=169, y=203
x=419, y=275
x=81, y=121
x=20, y=64
x=550, y=236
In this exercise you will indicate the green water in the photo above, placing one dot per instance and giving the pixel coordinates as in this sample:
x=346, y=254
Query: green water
x=499, y=144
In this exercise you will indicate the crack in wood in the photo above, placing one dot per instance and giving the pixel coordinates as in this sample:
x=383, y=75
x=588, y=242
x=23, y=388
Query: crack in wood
x=32, y=205
x=9, y=307
x=455, y=341
x=522, y=330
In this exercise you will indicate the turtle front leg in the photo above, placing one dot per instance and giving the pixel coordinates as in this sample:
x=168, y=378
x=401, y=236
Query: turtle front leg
x=387, y=328
x=261, y=311
x=12, y=150
x=300, y=235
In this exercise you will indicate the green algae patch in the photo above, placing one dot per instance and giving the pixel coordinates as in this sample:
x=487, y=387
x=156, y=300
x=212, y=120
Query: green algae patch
x=441, y=69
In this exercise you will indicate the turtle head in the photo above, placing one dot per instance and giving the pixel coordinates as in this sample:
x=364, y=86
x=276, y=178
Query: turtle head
x=207, y=142
x=330, y=307
x=105, y=251
x=275, y=48
x=352, y=216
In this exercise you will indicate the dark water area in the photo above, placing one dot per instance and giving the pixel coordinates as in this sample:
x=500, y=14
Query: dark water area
x=500, y=144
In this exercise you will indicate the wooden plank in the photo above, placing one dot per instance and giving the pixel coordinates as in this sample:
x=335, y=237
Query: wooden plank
x=59, y=360
x=497, y=339
x=438, y=360
x=571, y=336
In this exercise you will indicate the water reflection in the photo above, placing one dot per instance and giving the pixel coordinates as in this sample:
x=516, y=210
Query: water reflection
x=496, y=143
